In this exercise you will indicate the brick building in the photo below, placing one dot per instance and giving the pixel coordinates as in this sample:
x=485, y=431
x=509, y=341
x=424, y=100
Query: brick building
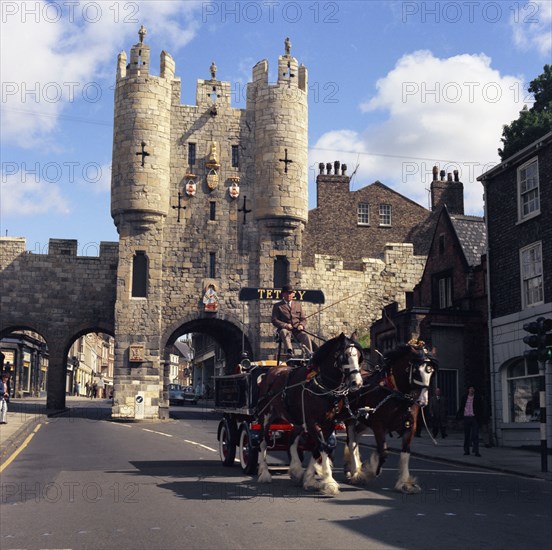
x=358, y=224
x=518, y=202
x=448, y=307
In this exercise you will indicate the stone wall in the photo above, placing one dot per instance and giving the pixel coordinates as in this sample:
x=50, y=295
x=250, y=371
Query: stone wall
x=360, y=295
x=59, y=295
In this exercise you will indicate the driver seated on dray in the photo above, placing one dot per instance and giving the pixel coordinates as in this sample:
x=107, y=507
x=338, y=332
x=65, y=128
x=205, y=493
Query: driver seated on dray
x=288, y=318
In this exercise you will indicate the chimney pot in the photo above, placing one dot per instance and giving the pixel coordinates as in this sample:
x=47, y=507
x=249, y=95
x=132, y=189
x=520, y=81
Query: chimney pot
x=456, y=175
x=343, y=169
x=449, y=176
x=328, y=168
x=443, y=174
x=321, y=167
x=337, y=164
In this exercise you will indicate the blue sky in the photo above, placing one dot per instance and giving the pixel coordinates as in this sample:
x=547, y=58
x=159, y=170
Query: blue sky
x=394, y=88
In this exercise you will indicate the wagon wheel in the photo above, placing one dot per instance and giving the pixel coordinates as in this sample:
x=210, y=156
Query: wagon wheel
x=227, y=441
x=248, y=454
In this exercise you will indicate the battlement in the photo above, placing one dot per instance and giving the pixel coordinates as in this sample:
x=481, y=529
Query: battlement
x=140, y=61
x=290, y=74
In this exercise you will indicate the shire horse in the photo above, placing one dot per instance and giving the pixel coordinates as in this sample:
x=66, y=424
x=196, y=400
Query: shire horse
x=308, y=397
x=389, y=401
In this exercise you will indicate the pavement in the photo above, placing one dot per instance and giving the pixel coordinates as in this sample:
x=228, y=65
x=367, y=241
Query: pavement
x=25, y=414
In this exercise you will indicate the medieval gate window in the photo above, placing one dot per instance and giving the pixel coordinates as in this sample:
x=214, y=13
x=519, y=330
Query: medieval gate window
x=212, y=210
x=191, y=154
x=212, y=264
x=235, y=156
x=139, y=275
x=281, y=271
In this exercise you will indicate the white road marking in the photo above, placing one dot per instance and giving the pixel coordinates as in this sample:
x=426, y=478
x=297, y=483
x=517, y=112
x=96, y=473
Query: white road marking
x=155, y=432
x=200, y=445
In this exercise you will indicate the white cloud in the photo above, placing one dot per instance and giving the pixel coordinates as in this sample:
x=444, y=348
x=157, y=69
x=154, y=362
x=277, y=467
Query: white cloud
x=448, y=112
x=49, y=56
x=531, y=24
x=24, y=193
x=95, y=178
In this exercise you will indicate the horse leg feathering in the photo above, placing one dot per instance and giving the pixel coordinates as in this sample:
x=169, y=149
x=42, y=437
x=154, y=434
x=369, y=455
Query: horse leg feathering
x=405, y=482
x=296, y=472
x=264, y=473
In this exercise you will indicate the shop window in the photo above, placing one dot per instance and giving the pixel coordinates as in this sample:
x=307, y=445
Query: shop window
x=522, y=381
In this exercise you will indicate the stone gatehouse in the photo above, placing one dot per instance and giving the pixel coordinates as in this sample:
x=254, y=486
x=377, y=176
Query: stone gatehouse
x=207, y=199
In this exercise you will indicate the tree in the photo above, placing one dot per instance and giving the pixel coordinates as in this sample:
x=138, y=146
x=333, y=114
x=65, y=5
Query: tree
x=532, y=123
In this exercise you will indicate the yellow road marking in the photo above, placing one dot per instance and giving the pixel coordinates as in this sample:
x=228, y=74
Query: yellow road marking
x=13, y=456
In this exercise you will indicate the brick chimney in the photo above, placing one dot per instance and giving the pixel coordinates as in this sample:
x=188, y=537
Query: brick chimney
x=448, y=190
x=332, y=179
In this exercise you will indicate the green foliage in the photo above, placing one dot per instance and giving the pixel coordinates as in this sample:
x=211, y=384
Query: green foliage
x=364, y=340
x=532, y=123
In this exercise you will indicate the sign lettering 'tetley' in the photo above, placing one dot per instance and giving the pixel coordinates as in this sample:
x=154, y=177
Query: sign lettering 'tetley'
x=247, y=294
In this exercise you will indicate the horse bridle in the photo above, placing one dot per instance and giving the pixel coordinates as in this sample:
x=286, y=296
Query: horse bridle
x=341, y=362
x=414, y=367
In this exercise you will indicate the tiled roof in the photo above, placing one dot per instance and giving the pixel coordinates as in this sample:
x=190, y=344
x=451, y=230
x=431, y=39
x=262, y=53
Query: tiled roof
x=472, y=235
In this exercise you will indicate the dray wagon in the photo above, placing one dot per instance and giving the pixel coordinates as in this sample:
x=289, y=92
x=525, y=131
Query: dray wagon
x=236, y=397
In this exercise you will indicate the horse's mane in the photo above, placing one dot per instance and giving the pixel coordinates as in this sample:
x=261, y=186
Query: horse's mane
x=325, y=348
x=399, y=351
x=416, y=348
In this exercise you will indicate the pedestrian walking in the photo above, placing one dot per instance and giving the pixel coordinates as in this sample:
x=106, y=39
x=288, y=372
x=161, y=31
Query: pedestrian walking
x=438, y=414
x=4, y=396
x=471, y=411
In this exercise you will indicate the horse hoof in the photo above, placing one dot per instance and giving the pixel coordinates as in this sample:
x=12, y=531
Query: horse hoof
x=357, y=479
x=409, y=488
x=330, y=489
x=265, y=477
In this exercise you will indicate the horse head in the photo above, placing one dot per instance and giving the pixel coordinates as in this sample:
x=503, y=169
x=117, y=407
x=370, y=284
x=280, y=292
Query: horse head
x=410, y=368
x=338, y=362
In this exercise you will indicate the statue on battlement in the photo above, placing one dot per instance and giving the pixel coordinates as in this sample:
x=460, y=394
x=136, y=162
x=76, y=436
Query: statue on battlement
x=142, y=33
x=287, y=46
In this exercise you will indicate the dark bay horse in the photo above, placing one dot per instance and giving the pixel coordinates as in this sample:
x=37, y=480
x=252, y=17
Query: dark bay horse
x=307, y=397
x=389, y=401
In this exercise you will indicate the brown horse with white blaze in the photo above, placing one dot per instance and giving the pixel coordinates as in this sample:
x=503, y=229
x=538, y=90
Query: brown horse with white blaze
x=307, y=397
x=389, y=401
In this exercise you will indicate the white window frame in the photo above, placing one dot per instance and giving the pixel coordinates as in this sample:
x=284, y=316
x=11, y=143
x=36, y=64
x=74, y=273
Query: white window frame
x=445, y=292
x=531, y=275
x=385, y=215
x=528, y=190
x=363, y=213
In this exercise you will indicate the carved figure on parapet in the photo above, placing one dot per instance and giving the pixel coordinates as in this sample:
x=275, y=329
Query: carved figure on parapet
x=142, y=33
x=287, y=45
x=213, y=70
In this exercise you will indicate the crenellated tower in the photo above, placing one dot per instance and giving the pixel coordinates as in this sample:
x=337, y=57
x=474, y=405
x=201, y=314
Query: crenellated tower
x=141, y=139
x=280, y=115
x=204, y=196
